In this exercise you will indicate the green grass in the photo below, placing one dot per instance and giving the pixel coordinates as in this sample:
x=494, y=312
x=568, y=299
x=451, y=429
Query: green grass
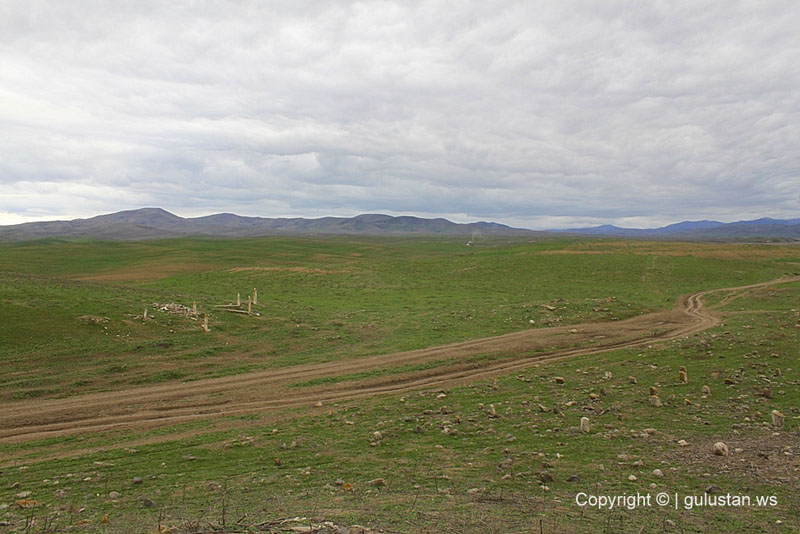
x=445, y=482
x=320, y=299
x=379, y=296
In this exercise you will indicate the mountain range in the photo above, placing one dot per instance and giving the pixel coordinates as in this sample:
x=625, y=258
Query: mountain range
x=155, y=223
x=763, y=228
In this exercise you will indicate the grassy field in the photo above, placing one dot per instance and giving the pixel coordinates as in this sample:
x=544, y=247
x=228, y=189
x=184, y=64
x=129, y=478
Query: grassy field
x=72, y=311
x=495, y=456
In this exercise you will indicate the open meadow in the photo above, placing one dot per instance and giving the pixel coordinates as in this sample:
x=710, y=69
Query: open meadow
x=399, y=384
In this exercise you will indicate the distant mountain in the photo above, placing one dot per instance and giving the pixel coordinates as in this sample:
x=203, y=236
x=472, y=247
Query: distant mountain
x=155, y=223
x=764, y=228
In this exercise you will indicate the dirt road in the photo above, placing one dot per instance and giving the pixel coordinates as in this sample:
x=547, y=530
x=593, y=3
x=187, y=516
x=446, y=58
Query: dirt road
x=276, y=389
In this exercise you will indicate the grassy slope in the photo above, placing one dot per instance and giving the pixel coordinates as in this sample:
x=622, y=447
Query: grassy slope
x=436, y=482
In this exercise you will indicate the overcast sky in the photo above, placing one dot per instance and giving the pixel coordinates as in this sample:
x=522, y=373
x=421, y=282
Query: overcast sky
x=535, y=114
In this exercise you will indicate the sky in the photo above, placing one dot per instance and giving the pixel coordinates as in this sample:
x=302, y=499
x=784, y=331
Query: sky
x=531, y=113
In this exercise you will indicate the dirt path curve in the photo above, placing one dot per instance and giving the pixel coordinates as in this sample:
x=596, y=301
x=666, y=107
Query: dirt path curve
x=276, y=389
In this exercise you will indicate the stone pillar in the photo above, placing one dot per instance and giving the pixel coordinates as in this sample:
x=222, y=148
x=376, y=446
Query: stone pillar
x=585, y=425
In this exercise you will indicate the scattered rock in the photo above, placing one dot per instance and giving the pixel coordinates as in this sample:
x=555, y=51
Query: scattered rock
x=93, y=319
x=632, y=478
x=114, y=495
x=712, y=489
x=655, y=401
x=559, y=379
x=23, y=495
x=175, y=309
x=377, y=436
x=658, y=472
x=683, y=443
x=137, y=480
x=574, y=478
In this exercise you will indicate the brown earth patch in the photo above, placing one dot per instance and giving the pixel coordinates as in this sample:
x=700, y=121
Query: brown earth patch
x=765, y=458
x=147, y=272
x=706, y=250
x=309, y=270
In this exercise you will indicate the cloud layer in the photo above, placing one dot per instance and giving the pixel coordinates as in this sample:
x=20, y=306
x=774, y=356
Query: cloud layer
x=538, y=114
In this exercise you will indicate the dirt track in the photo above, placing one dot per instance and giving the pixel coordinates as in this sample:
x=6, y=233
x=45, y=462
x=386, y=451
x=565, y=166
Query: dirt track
x=264, y=391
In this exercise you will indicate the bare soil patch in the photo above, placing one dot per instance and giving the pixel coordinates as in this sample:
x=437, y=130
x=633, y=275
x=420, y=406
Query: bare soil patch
x=307, y=270
x=146, y=272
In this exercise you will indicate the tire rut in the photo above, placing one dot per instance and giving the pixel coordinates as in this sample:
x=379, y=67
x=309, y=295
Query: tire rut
x=271, y=390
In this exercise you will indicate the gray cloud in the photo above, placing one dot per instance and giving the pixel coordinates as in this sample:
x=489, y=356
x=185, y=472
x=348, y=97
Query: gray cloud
x=532, y=113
